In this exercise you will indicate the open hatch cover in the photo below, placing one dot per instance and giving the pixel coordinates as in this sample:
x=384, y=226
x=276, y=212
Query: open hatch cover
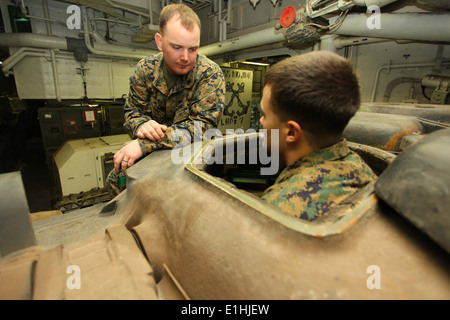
x=417, y=185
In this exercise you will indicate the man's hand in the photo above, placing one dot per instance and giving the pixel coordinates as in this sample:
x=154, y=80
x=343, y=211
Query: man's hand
x=127, y=156
x=152, y=130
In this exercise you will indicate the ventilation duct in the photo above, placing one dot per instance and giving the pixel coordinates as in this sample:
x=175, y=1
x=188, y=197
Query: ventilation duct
x=438, y=4
x=400, y=26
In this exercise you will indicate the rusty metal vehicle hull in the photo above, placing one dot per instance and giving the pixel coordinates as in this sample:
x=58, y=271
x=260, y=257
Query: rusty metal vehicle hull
x=179, y=232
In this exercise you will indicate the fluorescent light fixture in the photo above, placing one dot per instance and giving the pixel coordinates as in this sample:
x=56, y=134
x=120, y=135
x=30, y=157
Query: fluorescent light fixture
x=255, y=63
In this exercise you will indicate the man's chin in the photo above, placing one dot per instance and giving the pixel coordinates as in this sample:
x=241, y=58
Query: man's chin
x=181, y=71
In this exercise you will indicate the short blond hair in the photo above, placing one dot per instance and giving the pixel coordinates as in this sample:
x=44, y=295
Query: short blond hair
x=187, y=16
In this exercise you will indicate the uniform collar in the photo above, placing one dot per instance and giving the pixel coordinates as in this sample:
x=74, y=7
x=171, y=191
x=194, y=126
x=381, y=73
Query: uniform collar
x=184, y=82
x=335, y=152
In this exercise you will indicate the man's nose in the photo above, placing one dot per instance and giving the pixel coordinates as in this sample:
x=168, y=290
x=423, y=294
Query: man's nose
x=184, y=55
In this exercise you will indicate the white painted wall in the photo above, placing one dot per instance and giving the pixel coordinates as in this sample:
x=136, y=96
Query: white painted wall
x=106, y=78
x=368, y=58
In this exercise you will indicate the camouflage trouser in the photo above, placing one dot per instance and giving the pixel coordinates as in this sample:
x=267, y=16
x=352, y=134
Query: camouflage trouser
x=113, y=185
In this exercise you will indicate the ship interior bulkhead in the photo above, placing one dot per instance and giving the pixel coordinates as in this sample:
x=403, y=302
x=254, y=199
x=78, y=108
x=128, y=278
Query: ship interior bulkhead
x=64, y=78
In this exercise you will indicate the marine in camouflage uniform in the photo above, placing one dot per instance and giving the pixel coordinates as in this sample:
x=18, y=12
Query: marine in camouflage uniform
x=197, y=96
x=309, y=99
x=316, y=182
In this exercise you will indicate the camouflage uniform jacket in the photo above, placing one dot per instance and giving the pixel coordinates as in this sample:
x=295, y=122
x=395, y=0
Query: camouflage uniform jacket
x=313, y=184
x=197, y=96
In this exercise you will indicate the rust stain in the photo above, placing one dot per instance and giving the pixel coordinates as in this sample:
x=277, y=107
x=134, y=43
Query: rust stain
x=391, y=145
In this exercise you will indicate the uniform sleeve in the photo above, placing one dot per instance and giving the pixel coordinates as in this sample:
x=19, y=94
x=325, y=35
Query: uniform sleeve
x=136, y=101
x=205, y=111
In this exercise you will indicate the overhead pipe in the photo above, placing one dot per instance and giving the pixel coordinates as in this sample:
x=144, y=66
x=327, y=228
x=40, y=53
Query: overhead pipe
x=391, y=85
x=31, y=44
x=438, y=4
x=316, y=8
x=32, y=40
x=222, y=30
x=342, y=42
x=98, y=38
x=52, y=53
x=45, y=19
x=396, y=66
x=368, y=3
x=327, y=43
x=403, y=26
x=12, y=60
x=432, y=27
x=117, y=6
x=223, y=22
x=106, y=49
x=116, y=21
x=53, y=42
x=150, y=11
x=254, y=39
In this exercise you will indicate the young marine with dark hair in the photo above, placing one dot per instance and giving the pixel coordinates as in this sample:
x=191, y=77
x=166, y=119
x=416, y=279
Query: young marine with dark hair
x=310, y=99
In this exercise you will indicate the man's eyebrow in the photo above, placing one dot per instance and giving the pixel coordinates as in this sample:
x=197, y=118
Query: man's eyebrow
x=174, y=44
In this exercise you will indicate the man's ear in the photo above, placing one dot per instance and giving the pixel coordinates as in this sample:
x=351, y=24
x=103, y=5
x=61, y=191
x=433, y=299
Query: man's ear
x=294, y=131
x=158, y=40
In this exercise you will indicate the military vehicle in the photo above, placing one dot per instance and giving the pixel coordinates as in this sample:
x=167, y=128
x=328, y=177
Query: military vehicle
x=191, y=226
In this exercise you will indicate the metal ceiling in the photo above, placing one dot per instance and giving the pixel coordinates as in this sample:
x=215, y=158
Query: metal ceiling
x=110, y=6
x=195, y=4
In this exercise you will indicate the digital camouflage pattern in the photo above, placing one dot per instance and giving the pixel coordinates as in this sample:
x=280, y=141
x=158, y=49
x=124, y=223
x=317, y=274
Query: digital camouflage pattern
x=197, y=96
x=315, y=183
